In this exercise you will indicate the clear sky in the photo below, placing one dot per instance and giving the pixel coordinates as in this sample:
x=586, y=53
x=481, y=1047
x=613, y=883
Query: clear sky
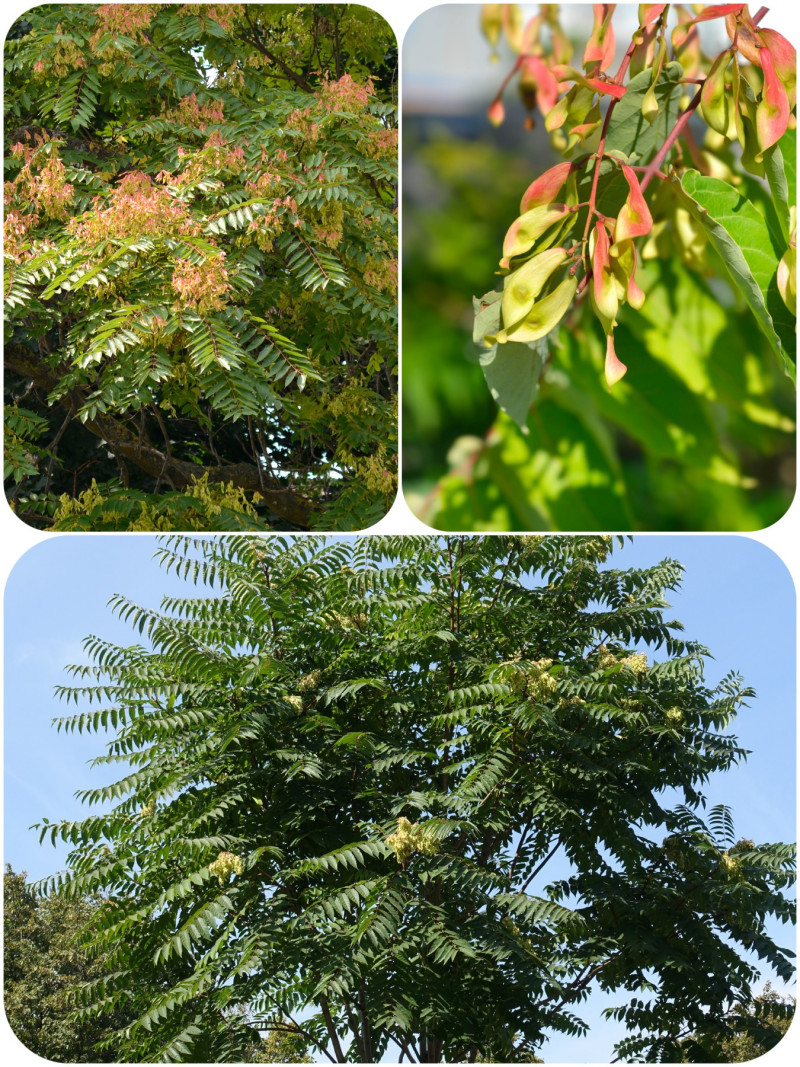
x=737, y=598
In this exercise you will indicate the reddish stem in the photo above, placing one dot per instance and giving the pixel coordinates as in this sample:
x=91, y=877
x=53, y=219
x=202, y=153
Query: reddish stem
x=672, y=137
x=617, y=80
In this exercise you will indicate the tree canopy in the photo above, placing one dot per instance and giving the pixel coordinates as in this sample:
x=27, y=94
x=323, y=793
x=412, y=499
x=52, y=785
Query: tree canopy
x=200, y=242
x=350, y=772
x=750, y=1030
x=42, y=962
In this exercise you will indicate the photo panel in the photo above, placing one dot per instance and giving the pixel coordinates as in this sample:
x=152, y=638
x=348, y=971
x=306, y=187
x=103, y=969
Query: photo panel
x=599, y=266
x=501, y=799
x=201, y=267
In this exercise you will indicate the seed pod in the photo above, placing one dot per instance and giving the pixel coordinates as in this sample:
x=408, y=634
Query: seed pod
x=772, y=114
x=714, y=100
x=784, y=59
x=599, y=51
x=544, y=316
x=525, y=231
x=537, y=85
x=496, y=112
x=523, y=285
x=787, y=270
x=546, y=187
x=614, y=368
x=604, y=290
x=634, y=219
x=491, y=24
x=623, y=265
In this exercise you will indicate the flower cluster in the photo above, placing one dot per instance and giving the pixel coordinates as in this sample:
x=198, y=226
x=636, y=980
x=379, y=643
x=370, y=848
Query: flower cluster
x=381, y=274
x=674, y=717
x=225, y=865
x=137, y=208
x=329, y=228
x=636, y=662
x=309, y=681
x=294, y=700
x=531, y=680
x=223, y=14
x=41, y=186
x=350, y=622
x=731, y=867
x=132, y=20
x=410, y=837
x=188, y=112
x=61, y=56
x=344, y=94
x=216, y=155
x=382, y=144
x=201, y=286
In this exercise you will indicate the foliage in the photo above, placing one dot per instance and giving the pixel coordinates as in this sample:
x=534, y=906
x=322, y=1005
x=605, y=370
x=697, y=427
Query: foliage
x=345, y=769
x=284, y=1044
x=42, y=963
x=642, y=244
x=201, y=259
x=747, y=1033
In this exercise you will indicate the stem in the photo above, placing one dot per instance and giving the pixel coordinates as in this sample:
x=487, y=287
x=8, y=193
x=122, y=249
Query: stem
x=507, y=79
x=617, y=80
x=329, y=1026
x=545, y=861
x=674, y=134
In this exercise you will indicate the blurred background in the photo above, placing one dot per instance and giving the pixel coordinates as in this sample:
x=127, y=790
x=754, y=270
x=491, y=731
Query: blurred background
x=695, y=438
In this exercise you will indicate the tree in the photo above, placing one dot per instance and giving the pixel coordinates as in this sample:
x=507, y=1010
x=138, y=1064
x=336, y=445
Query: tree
x=283, y=1044
x=201, y=266
x=42, y=963
x=747, y=1033
x=350, y=769
x=659, y=246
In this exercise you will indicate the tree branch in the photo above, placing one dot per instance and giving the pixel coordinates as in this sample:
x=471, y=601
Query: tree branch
x=180, y=473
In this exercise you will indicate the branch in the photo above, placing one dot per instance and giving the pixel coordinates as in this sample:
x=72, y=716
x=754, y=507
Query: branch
x=256, y=43
x=545, y=861
x=330, y=1027
x=179, y=472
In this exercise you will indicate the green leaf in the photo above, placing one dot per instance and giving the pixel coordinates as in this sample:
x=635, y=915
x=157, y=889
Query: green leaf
x=512, y=372
x=629, y=131
x=487, y=317
x=743, y=240
x=775, y=170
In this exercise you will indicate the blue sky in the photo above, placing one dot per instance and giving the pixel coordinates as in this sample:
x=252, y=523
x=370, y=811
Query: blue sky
x=737, y=598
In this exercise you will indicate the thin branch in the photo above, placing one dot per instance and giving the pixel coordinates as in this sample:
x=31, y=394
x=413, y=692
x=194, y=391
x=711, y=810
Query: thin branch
x=544, y=863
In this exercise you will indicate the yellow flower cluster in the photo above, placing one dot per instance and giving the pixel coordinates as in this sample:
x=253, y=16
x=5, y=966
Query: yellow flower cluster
x=674, y=717
x=350, y=622
x=531, y=679
x=636, y=662
x=226, y=864
x=538, y=683
x=605, y=658
x=309, y=681
x=410, y=837
x=294, y=700
x=731, y=866
x=148, y=809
